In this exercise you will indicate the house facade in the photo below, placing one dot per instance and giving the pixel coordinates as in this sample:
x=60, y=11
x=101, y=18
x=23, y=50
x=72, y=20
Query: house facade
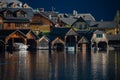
x=25, y=36
x=80, y=24
x=109, y=27
x=40, y=23
x=15, y=15
x=67, y=38
x=43, y=43
x=99, y=41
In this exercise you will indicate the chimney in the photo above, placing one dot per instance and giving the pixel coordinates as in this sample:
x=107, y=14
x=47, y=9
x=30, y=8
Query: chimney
x=75, y=13
x=50, y=17
x=20, y=5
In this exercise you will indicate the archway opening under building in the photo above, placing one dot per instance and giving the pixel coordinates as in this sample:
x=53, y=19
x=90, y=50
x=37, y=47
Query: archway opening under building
x=70, y=41
x=2, y=46
x=58, y=46
x=102, y=46
x=32, y=44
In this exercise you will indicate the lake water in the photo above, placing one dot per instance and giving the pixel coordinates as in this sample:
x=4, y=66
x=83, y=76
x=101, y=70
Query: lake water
x=40, y=65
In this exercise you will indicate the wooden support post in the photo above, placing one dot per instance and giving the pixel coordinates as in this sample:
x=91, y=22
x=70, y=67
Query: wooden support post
x=12, y=40
x=76, y=47
x=25, y=41
x=84, y=47
x=49, y=48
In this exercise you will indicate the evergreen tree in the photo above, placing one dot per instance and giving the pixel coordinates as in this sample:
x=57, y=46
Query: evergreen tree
x=117, y=16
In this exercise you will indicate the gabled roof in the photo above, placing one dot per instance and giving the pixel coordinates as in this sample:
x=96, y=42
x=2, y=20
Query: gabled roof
x=68, y=20
x=57, y=40
x=5, y=33
x=104, y=24
x=51, y=14
x=41, y=14
x=44, y=38
x=113, y=37
x=28, y=12
x=79, y=20
x=10, y=1
x=86, y=33
x=98, y=32
x=83, y=40
x=59, y=31
x=51, y=37
x=86, y=16
x=26, y=31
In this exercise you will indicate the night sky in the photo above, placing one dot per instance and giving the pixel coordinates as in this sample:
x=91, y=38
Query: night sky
x=100, y=9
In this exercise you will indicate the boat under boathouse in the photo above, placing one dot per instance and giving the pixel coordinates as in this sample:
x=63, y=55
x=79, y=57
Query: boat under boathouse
x=8, y=37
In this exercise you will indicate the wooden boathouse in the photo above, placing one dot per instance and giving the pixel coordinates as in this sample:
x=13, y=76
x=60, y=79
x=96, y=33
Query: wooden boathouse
x=26, y=36
x=59, y=39
x=67, y=38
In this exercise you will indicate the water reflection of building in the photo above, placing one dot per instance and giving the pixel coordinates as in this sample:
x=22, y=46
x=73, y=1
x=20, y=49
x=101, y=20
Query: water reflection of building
x=107, y=64
x=99, y=65
x=9, y=66
x=59, y=65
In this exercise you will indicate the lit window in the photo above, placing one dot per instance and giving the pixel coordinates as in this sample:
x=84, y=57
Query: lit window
x=99, y=35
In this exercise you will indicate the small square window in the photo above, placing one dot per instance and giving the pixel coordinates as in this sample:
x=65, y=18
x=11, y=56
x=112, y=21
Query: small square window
x=99, y=35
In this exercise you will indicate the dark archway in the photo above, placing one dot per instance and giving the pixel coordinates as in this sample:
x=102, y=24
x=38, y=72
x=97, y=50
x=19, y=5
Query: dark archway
x=14, y=40
x=102, y=46
x=32, y=44
x=58, y=46
x=43, y=43
x=9, y=45
x=2, y=46
x=71, y=40
x=94, y=45
x=80, y=46
x=19, y=40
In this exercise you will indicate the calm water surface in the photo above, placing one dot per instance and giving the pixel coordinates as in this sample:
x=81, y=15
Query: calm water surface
x=40, y=65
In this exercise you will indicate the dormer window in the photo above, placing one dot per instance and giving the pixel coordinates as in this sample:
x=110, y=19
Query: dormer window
x=21, y=13
x=18, y=14
x=14, y=5
x=7, y=13
x=26, y=6
x=99, y=35
x=1, y=4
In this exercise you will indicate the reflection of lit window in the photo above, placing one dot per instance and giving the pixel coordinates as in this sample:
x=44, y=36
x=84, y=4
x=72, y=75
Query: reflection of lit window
x=99, y=35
